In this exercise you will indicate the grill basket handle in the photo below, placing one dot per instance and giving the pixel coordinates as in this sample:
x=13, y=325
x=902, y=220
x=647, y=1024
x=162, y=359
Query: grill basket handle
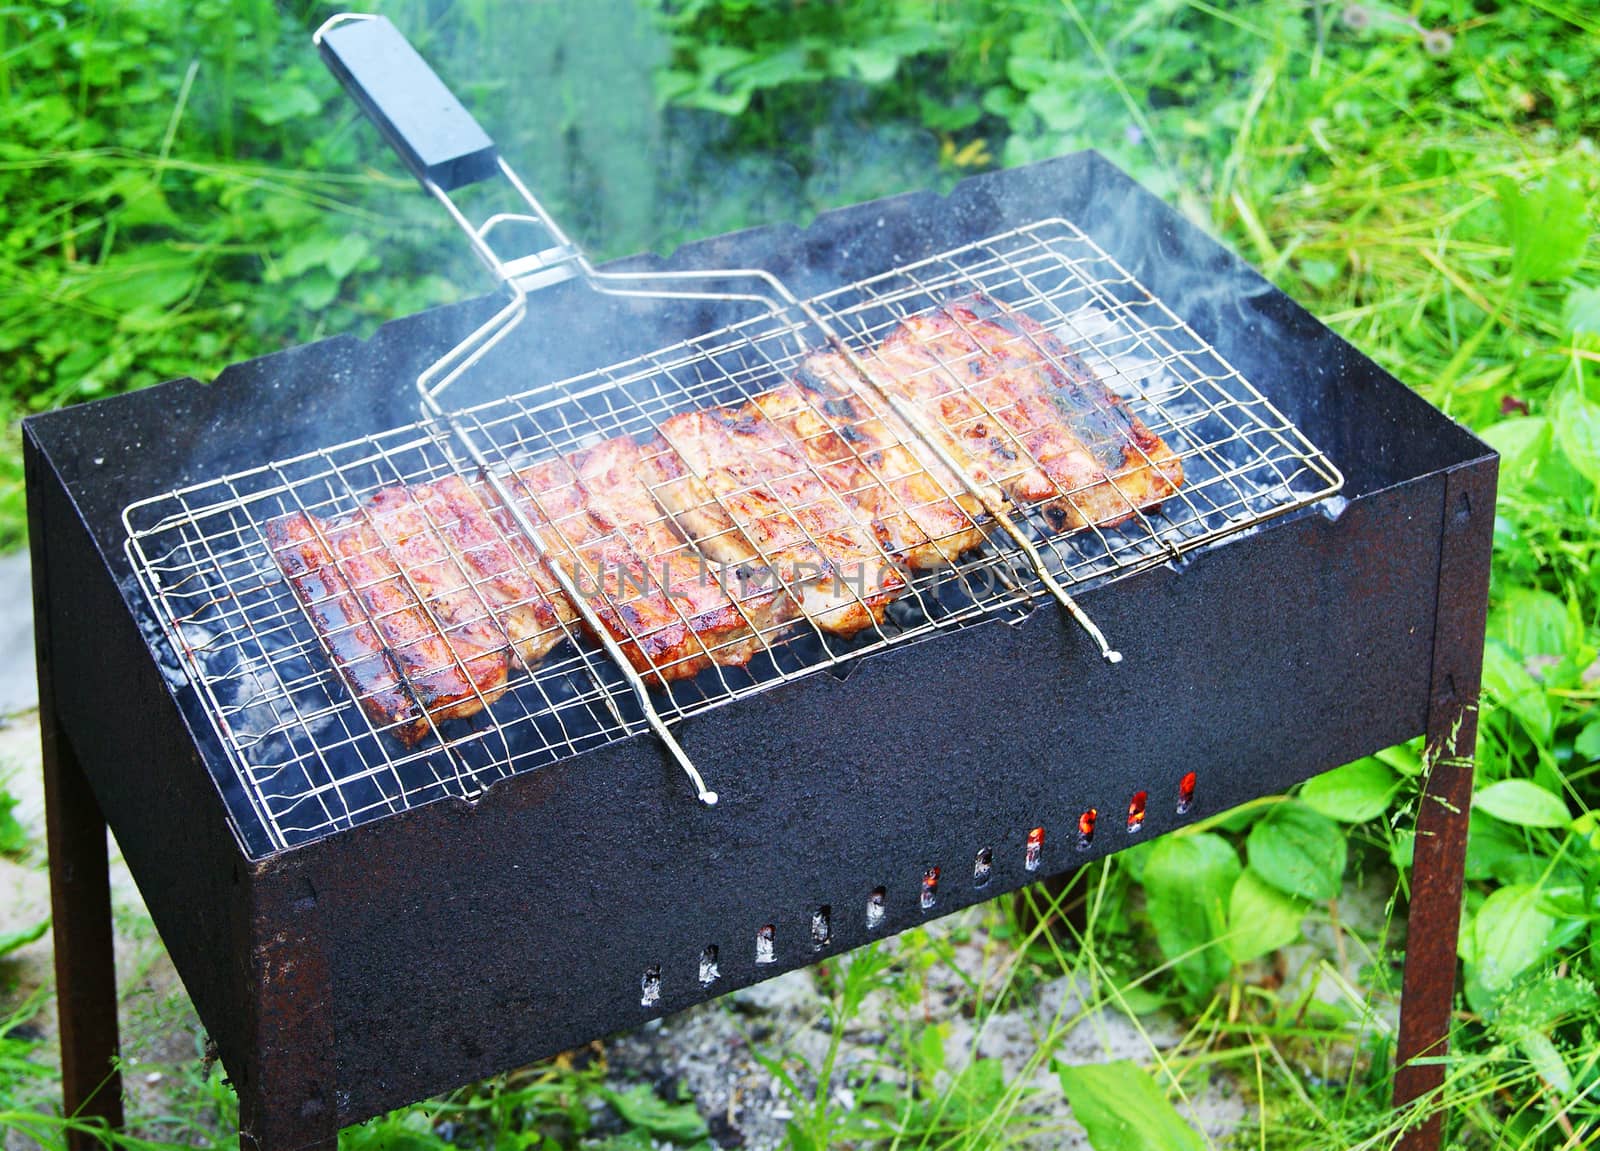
x=423, y=121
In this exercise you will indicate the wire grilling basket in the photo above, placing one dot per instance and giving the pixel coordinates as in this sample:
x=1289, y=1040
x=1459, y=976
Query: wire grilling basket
x=311, y=747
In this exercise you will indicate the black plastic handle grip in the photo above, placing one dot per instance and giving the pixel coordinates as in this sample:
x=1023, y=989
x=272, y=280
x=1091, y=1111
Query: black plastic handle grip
x=422, y=120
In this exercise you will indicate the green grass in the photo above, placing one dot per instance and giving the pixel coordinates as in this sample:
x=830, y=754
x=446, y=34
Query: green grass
x=182, y=192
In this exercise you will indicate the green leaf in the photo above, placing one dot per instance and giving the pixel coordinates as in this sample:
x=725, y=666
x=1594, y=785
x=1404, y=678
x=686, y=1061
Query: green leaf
x=315, y=290
x=1546, y=222
x=13, y=836
x=1522, y=443
x=1582, y=310
x=274, y=103
x=1121, y=1109
x=314, y=251
x=1578, y=432
x=153, y=277
x=1496, y=850
x=1509, y=685
x=1188, y=880
x=872, y=64
x=1405, y=758
x=1298, y=851
x=12, y=940
x=1547, y=1061
x=1353, y=793
x=143, y=202
x=1510, y=934
x=1524, y=803
x=351, y=249
x=1261, y=918
x=642, y=1107
x=1588, y=742
x=1531, y=621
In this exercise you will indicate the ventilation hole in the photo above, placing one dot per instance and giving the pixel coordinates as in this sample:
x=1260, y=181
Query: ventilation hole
x=930, y=887
x=1086, y=828
x=1136, y=812
x=1186, y=794
x=650, y=986
x=1030, y=858
x=983, y=867
x=709, y=971
x=765, y=950
x=821, y=927
x=875, y=908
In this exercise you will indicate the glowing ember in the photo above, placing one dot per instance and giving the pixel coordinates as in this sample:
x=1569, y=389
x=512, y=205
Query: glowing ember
x=1136, y=811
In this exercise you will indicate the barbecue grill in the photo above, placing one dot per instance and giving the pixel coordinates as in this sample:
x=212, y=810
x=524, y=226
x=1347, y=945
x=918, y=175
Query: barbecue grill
x=534, y=871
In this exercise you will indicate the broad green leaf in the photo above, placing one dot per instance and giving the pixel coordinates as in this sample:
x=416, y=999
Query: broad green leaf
x=642, y=1107
x=1578, y=432
x=1122, y=1109
x=154, y=276
x=1588, y=742
x=13, y=836
x=274, y=103
x=871, y=65
x=314, y=251
x=12, y=940
x=1188, y=880
x=1510, y=686
x=1510, y=934
x=1353, y=793
x=1540, y=1004
x=1403, y=849
x=1497, y=850
x=315, y=290
x=1261, y=918
x=1524, y=803
x=1532, y=621
x=1547, y=1061
x=1522, y=443
x=1405, y=758
x=1298, y=851
x=1546, y=222
x=1582, y=310
x=143, y=201
x=351, y=249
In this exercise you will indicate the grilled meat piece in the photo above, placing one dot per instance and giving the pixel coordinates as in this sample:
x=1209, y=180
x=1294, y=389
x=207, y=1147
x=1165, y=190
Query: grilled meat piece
x=672, y=614
x=746, y=493
x=421, y=600
x=502, y=574
x=299, y=545
x=1029, y=412
x=426, y=595
x=407, y=661
x=869, y=454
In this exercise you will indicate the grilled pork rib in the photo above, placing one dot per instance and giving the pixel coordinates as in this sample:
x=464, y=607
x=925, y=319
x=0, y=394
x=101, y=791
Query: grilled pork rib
x=869, y=454
x=672, y=615
x=411, y=636
x=746, y=493
x=427, y=596
x=1030, y=412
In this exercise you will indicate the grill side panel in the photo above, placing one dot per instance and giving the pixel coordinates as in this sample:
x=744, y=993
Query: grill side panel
x=141, y=759
x=481, y=936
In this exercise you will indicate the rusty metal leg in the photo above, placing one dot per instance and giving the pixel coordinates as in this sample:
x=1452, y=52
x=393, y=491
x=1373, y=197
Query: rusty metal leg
x=80, y=900
x=1429, y=984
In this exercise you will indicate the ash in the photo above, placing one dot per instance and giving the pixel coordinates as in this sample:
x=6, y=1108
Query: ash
x=712, y=1053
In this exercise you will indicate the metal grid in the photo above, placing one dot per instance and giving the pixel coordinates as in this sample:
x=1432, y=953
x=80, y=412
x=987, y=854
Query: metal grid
x=623, y=440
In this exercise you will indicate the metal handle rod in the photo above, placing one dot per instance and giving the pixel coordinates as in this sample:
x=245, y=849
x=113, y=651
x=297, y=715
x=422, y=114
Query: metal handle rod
x=919, y=425
x=607, y=641
x=446, y=149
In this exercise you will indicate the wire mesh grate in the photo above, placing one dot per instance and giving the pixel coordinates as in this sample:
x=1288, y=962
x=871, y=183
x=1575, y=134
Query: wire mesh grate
x=707, y=506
